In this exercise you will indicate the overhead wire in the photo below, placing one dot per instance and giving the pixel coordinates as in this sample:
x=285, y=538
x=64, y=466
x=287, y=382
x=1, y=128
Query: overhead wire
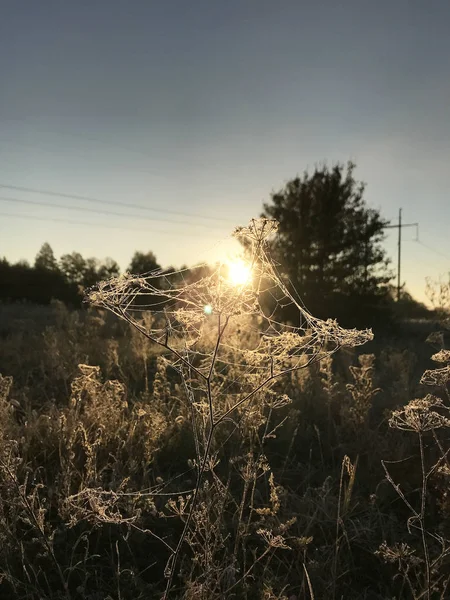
x=110, y=202
x=438, y=252
x=98, y=211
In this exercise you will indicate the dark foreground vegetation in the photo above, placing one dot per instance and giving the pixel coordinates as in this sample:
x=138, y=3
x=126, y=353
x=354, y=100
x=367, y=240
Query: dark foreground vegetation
x=97, y=467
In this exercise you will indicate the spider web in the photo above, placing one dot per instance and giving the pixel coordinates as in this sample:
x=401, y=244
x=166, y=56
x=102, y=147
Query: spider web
x=224, y=338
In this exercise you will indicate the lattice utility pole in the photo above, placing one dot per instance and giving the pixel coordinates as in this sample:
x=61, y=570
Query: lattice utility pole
x=399, y=244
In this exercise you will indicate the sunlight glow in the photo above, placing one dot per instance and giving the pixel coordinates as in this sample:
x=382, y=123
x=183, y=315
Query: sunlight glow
x=239, y=272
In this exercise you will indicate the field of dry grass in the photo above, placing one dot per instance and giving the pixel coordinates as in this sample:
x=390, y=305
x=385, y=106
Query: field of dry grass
x=133, y=469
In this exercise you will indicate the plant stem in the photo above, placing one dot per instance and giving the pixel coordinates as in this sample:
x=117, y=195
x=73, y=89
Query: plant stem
x=422, y=517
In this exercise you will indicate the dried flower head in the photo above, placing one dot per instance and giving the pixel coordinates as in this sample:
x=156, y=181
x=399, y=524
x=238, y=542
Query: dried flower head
x=439, y=377
x=274, y=541
x=443, y=356
x=420, y=415
x=258, y=230
x=398, y=553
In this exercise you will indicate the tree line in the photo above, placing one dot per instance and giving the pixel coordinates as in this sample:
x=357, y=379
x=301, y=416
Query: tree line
x=64, y=279
x=329, y=248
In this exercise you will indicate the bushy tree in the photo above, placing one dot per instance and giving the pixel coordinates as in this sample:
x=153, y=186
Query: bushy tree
x=87, y=271
x=330, y=243
x=108, y=268
x=143, y=262
x=73, y=266
x=45, y=258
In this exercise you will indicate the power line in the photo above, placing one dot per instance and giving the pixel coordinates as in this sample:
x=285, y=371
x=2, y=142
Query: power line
x=432, y=249
x=400, y=226
x=85, y=223
x=97, y=211
x=111, y=202
x=417, y=241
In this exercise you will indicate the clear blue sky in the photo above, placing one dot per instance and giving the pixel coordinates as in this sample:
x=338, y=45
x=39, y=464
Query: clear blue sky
x=207, y=106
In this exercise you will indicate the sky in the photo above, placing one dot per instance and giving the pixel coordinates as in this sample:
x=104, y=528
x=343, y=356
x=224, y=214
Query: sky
x=207, y=107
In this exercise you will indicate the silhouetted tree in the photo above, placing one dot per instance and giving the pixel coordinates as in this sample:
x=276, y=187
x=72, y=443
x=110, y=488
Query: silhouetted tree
x=85, y=272
x=329, y=243
x=108, y=268
x=143, y=263
x=73, y=266
x=95, y=270
x=90, y=273
x=45, y=258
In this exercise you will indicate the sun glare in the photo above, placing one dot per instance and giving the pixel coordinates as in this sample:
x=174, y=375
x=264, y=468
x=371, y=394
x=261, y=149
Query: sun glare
x=239, y=272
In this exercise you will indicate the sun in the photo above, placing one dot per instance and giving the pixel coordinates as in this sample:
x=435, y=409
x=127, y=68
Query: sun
x=239, y=272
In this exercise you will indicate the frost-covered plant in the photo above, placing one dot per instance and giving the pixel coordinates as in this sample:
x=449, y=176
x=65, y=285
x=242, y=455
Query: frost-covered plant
x=194, y=317
x=425, y=416
x=362, y=391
